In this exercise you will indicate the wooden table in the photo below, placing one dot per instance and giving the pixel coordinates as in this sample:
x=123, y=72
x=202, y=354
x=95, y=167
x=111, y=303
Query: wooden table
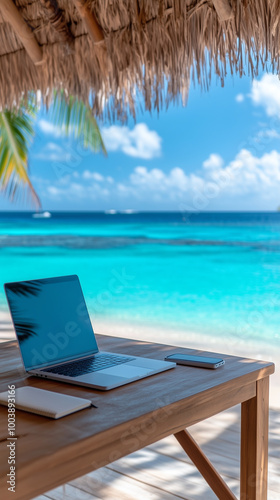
x=51, y=452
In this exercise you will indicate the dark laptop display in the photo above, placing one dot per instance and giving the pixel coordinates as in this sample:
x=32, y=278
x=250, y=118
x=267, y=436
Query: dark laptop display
x=57, y=341
x=51, y=320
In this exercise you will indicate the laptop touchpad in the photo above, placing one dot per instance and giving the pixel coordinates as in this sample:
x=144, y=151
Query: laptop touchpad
x=126, y=371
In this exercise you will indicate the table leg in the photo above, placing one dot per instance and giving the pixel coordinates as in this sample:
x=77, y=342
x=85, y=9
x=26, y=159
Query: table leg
x=254, y=444
x=208, y=471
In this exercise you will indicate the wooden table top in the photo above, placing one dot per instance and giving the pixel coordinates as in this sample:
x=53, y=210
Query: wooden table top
x=51, y=452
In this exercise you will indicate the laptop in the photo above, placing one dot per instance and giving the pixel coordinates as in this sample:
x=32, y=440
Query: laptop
x=57, y=341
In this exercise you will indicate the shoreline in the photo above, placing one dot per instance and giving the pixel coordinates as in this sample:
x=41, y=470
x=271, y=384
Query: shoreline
x=193, y=340
x=181, y=338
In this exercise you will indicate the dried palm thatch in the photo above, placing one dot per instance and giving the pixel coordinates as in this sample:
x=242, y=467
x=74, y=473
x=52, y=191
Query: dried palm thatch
x=113, y=51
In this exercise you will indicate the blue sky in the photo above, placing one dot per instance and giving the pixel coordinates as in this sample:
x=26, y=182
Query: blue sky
x=220, y=152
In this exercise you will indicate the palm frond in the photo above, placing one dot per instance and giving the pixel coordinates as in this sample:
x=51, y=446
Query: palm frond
x=75, y=119
x=16, y=131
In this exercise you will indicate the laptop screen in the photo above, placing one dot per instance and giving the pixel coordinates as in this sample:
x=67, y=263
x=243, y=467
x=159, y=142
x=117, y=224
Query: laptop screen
x=51, y=320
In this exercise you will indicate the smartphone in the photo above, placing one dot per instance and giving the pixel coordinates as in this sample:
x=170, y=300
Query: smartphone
x=200, y=361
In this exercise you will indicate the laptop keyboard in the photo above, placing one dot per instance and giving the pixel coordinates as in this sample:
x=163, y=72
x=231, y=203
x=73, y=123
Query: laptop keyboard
x=88, y=365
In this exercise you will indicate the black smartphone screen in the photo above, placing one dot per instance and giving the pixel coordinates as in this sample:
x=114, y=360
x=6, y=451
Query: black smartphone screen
x=201, y=359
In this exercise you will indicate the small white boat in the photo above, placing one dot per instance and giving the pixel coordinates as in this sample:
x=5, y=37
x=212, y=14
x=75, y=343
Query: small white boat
x=129, y=211
x=42, y=215
x=111, y=212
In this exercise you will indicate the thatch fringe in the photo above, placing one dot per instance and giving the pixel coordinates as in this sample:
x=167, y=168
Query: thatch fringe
x=152, y=48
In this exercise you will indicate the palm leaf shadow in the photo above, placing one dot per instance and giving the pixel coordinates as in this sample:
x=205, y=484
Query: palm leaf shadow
x=25, y=328
x=26, y=288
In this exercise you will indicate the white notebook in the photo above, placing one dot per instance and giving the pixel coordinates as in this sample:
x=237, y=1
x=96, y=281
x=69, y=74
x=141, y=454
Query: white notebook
x=46, y=403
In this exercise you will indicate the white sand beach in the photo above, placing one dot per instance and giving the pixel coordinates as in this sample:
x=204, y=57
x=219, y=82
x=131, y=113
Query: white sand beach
x=181, y=338
x=192, y=340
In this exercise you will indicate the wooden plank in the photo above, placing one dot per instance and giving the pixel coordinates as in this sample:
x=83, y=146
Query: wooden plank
x=22, y=30
x=226, y=463
x=109, y=484
x=151, y=468
x=254, y=444
x=69, y=492
x=225, y=456
x=205, y=467
x=176, y=477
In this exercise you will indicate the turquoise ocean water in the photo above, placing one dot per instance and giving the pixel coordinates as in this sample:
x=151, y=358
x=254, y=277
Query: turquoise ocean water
x=211, y=273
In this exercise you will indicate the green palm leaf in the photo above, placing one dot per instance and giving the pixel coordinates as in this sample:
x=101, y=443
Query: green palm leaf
x=75, y=118
x=16, y=131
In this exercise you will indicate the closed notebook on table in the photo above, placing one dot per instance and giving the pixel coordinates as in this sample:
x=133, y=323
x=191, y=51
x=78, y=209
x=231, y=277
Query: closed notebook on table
x=46, y=403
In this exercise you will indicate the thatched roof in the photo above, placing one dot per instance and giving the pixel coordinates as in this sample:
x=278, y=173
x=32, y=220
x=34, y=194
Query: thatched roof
x=115, y=49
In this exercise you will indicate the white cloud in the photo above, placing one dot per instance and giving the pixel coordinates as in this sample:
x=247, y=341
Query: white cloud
x=269, y=134
x=245, y=174
x=140, y=142
x=266, y=93
x=214, y=161
x=48, y=128
x=92, y=175
x=95, y=176
x=248, y=173
x=52, y=146
x=53, y=190
x=53, y=152
x=240, y=98
x=76, y=191
x=215, y=183
x=156, y=180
